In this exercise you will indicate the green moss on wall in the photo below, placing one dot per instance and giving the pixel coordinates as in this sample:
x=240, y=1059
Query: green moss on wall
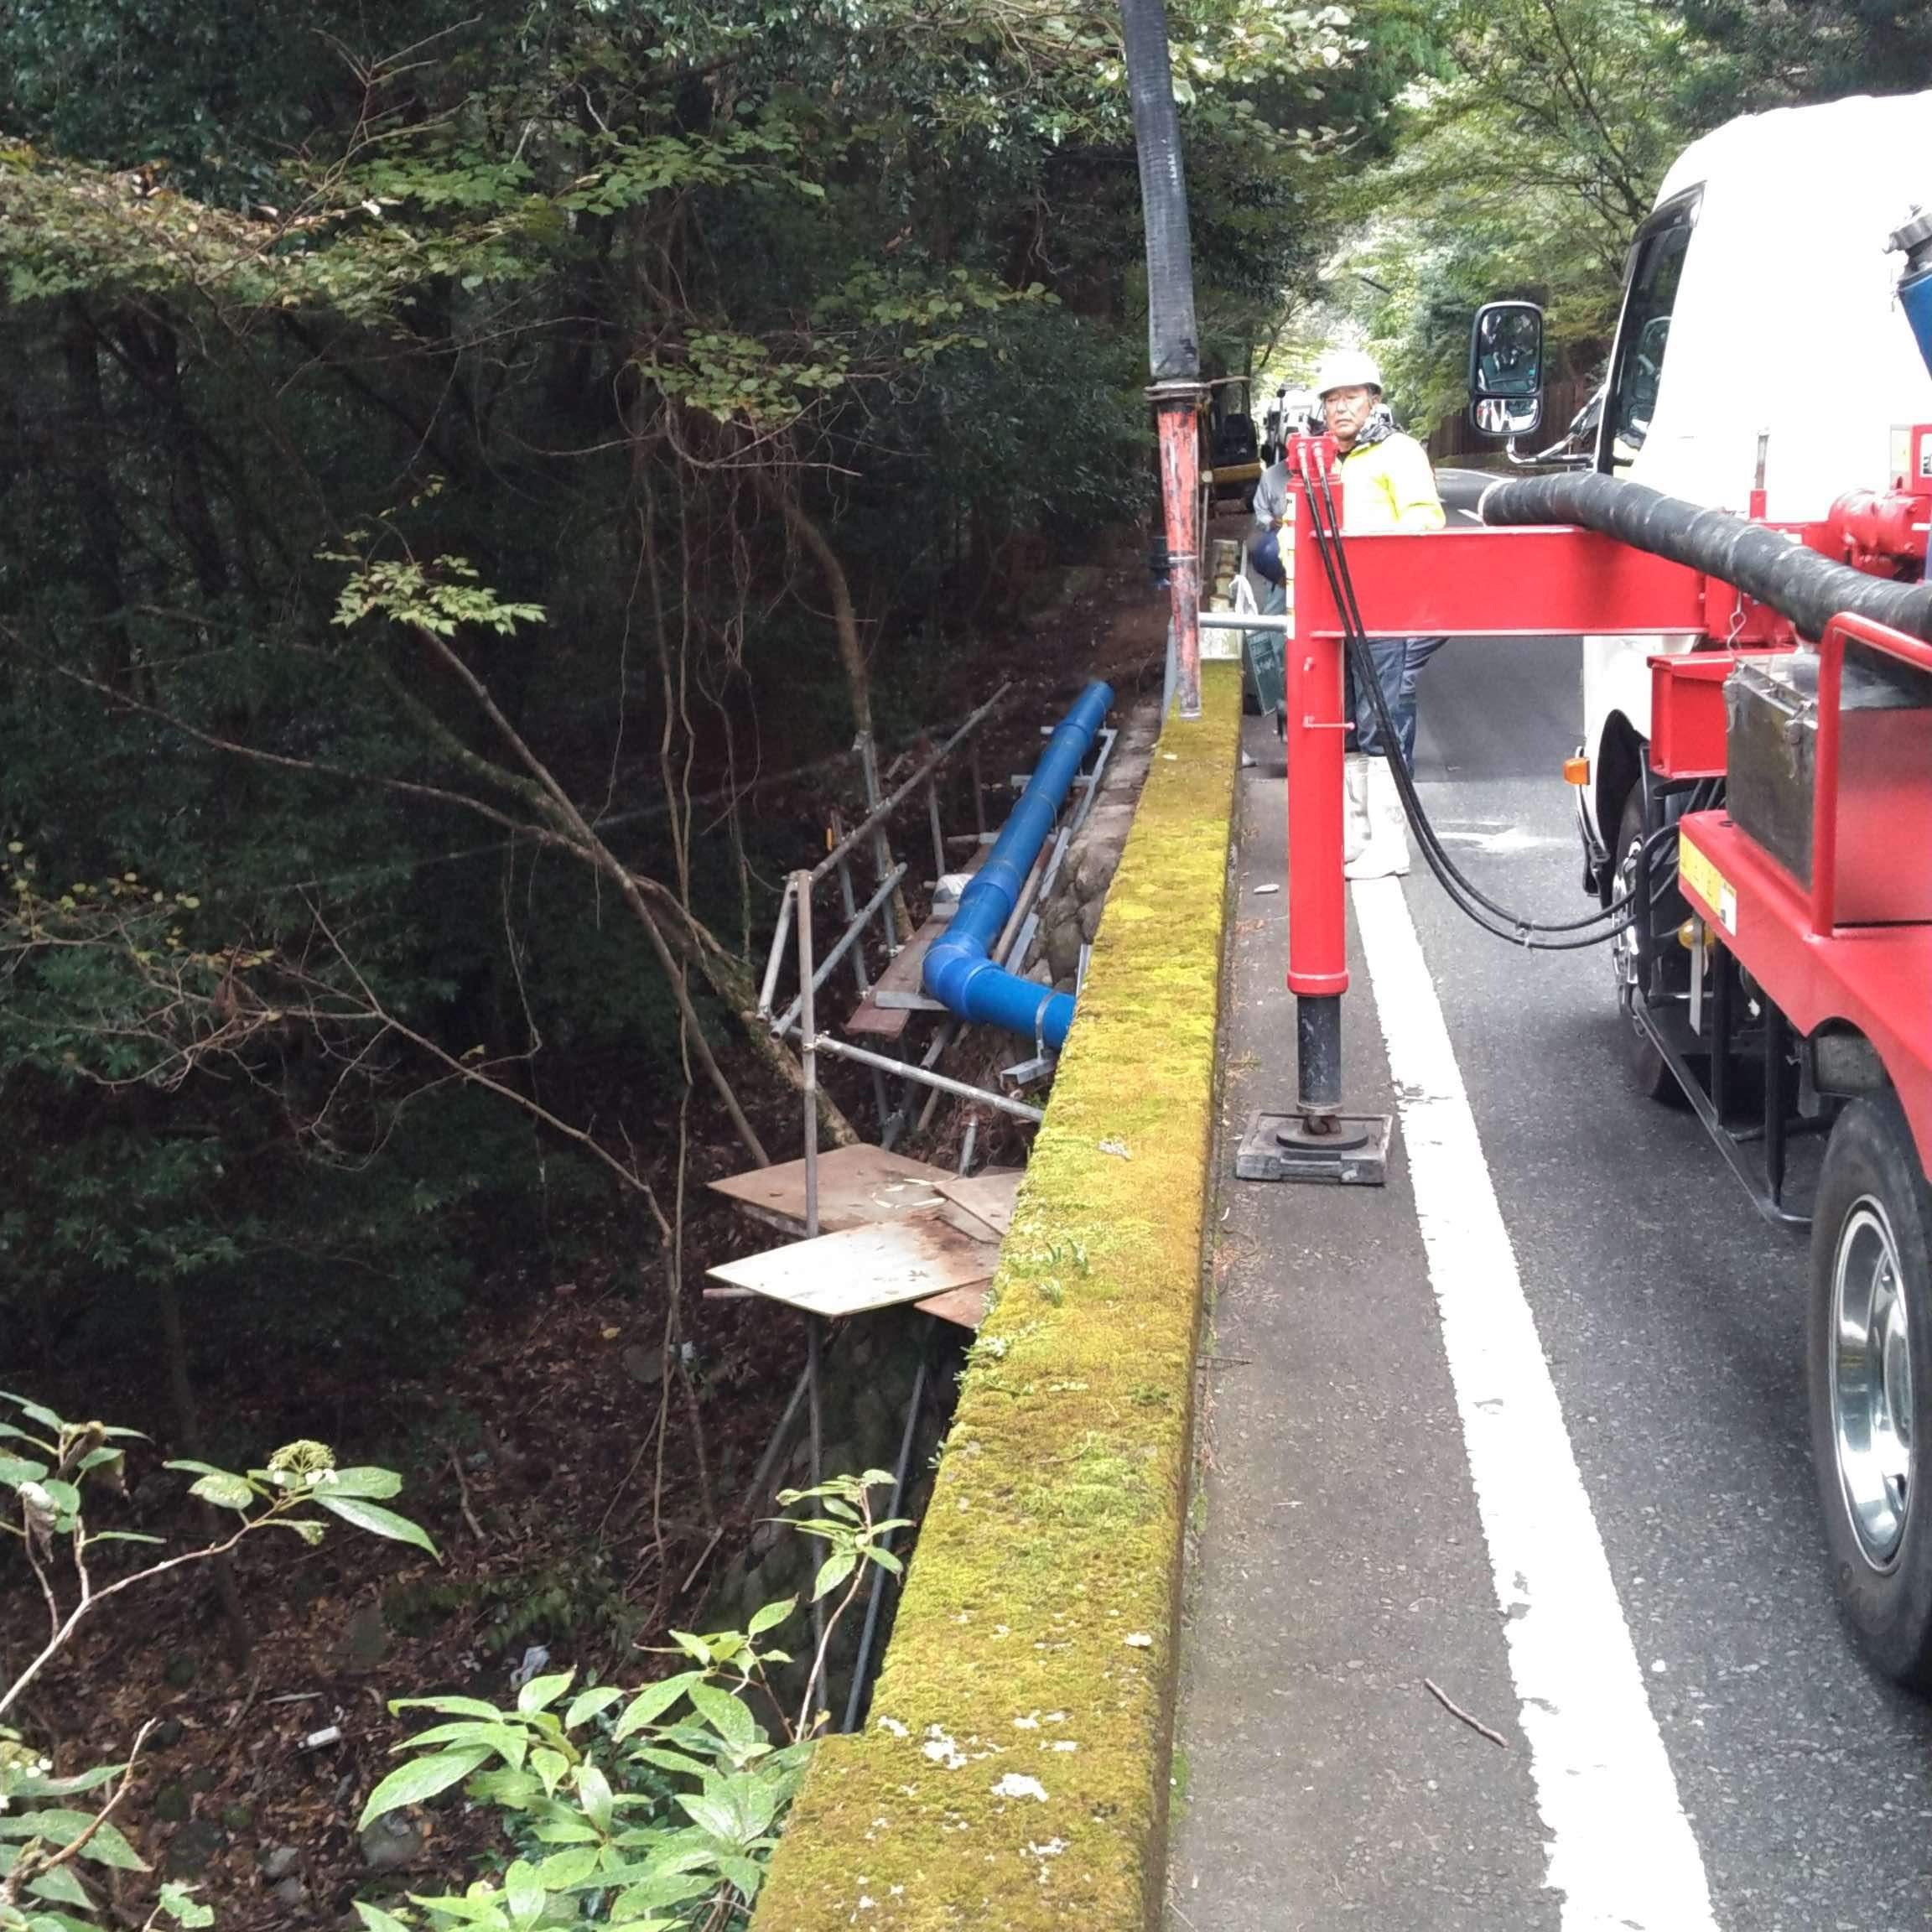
x=1015, y=1772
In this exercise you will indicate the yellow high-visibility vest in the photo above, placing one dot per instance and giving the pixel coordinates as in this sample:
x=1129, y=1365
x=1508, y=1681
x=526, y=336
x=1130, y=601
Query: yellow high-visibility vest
x=1389, y=486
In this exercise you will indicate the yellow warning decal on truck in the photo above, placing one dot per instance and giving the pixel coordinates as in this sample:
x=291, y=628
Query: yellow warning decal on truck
x=1701, y=877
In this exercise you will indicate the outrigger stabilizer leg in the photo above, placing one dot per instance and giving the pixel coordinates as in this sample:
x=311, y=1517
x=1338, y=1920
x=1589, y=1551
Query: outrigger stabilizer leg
x=1317, y=1141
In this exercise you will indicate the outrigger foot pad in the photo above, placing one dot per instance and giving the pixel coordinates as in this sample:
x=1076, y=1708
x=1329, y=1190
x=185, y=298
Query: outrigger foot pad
x=1352, y=1152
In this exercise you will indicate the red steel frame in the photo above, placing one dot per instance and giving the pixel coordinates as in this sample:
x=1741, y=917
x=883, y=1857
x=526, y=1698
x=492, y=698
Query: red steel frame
x=1472, y=582
x=1529, y=582
x=1876, y=978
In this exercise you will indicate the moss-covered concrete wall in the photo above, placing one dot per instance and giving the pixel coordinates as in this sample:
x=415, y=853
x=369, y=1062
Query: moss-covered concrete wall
x=1014, y=1774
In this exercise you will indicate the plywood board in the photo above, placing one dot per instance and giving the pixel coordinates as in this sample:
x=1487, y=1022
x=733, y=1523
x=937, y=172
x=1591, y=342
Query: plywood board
x=900, y=981
x=965, y=1307
x=862, y=1268
x=988, y=1198
x=856, y=1184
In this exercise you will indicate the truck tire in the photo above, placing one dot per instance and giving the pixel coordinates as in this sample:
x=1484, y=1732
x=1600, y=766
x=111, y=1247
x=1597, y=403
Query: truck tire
x=1869, y=1345
x=1649, y=1072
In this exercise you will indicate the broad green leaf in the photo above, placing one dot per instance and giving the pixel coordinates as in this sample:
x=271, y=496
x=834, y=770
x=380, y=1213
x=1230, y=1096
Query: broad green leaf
x=377, y=1921
x=455, y=1706
x=414, y=1783
x=56, y=1825
x=727, y=1716
x=566, y=1832
x=670, y=1760
x=834, y=1571
x=372, y=1516
x=14, y=1470
x=745, y=1873
x=550, y=1766
x=590, y=1703
x=224, y=1491
x=566, y=1871
x=88, y=1780
x=376, y=1484
x=506, y=1741
x=770, y=1616
x=523, y=1893
x=541, y=1692
x=194, y=1468
x=709, y=1815
x=107, y=1846
x=484, y=1908
x=594, y=1794
x=34, y=1413
x=653, y=1700
x=62, y=1887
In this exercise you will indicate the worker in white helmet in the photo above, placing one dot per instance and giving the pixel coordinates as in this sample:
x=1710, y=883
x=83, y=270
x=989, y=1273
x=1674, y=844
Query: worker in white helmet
x=1387, y=483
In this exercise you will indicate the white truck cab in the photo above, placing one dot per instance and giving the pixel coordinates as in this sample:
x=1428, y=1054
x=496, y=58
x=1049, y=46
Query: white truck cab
x=1759, y=310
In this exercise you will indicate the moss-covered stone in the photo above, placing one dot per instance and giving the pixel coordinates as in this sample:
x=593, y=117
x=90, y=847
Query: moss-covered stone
x=1015, y=1774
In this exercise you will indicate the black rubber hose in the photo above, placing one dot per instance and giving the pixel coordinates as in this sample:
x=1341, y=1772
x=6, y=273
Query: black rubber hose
x=1597, y=929
x=1775, y=569
x=1173, y=337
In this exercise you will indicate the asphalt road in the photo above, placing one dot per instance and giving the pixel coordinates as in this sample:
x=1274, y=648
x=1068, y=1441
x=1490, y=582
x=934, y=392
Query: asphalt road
x=1340, y=1556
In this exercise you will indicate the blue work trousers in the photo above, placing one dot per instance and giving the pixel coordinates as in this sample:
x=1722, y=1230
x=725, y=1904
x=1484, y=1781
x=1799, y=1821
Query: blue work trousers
x=1399, y=662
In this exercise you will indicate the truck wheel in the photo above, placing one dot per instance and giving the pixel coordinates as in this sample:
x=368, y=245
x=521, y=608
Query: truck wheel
x=1629, y=953
x=1870, y=1348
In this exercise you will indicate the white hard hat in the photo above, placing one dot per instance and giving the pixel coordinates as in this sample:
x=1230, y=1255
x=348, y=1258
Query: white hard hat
x=1346, y=369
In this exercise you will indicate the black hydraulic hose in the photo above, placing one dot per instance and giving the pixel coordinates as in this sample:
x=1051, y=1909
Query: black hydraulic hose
x=1173, y=337
x=1468, y=899
x=1767, y=565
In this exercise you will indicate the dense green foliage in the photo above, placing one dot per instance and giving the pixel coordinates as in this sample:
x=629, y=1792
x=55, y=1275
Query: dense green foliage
x=1525, y=160
x=431, y=443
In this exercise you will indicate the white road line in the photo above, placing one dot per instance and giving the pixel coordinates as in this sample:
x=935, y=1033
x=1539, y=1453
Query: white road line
x=1621, y=1850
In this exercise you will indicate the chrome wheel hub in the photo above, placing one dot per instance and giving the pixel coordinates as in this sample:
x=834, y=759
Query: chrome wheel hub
x=1871, y=1382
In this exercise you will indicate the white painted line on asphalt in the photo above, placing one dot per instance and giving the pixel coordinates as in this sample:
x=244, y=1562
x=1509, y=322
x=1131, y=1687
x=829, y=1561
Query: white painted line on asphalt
x=1621, y=1850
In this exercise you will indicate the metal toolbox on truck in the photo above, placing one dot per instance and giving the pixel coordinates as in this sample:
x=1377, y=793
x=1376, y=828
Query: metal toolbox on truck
x=1885, y=777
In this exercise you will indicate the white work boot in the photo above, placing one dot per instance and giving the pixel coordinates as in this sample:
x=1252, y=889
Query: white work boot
x=1386, y=855
x=1355, y=828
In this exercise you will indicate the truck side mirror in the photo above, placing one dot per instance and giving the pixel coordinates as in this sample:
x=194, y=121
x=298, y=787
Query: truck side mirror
x=1506, y=369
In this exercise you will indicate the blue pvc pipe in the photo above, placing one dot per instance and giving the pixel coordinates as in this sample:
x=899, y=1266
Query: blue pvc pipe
x=1915, y=297
x=958, y=973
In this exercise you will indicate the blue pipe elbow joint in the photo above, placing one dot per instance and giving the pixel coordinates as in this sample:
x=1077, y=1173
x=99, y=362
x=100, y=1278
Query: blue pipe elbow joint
x=958, y=972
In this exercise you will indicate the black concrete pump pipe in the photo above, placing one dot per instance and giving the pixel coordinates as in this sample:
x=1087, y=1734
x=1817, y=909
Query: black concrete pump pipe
x=1775, y=569
x=1173, y=338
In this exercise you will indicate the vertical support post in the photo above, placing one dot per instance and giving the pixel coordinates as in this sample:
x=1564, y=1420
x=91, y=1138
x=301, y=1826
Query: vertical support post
x=1318, y=1058
x=863, y=979
x=1315, y=734
x=1317, y=1141
x=938, y=837
x=881, y=1578
x=808, y=1048
x=978, y=793
x=881, y=850
x=809, y=1058
x=1176, y=417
